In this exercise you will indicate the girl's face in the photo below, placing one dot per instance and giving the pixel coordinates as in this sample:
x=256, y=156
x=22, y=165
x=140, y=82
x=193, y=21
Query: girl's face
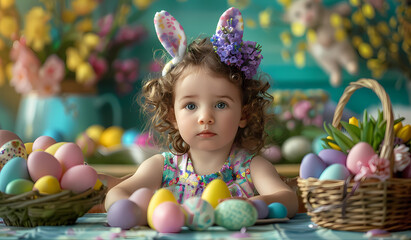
x=208, y=110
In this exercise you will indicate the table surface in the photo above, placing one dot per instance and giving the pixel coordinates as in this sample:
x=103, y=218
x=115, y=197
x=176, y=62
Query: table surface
x=94, y=226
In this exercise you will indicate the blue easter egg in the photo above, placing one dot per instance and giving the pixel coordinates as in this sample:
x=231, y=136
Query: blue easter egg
x=317, y=144
x=277, y=210
x=15, y=168
x=129, y=136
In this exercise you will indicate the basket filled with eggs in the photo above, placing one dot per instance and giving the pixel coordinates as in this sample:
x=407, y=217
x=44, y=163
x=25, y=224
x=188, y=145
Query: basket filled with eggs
x=361, y=179
x=45, y=182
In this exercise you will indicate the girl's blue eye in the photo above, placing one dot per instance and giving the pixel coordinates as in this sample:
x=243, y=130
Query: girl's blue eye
x=221, y=105
x=191, y=106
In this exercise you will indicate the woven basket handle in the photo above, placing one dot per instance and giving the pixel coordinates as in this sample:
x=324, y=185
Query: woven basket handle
x=388, y=142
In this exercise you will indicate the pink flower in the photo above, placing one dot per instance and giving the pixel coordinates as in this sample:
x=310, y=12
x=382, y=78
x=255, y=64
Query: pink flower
x=126, y=70
x=130, y=34
x=105, y=24
x=301, y=109
x=50, y=76
x=99, y=65
x=402, y=157
x=155, y=67
x=377, y=168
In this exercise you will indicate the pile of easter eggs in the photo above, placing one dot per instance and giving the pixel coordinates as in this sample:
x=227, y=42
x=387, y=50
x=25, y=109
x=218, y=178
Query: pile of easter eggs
x=111, y=138
x=44, y=165
x=163, y=213
x=331, y=164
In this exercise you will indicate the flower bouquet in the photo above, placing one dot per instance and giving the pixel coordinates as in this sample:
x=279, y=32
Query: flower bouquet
x=80, y=42
x=361, y=179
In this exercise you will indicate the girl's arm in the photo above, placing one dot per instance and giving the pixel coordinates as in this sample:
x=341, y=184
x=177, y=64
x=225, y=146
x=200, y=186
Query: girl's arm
x=270, y=186
x=149, y=174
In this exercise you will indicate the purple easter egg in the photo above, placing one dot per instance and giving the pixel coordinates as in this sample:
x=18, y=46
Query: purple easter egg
x=262, y=208
x=312, y=166
x=124, y=214
x=331, y=156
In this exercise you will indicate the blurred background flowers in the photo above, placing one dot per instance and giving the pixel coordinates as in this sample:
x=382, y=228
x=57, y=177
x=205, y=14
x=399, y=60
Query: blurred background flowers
x=82, y=42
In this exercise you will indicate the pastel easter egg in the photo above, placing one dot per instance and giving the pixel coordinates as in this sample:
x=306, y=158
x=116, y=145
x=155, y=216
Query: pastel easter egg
x=29, y=147
x=19, y=186
x=359, y=156
x=129, y=137
x=168, y=217
x=94, y=132
x=199, y=214
x=311, y=166
x=11, y=149
x=53, y=148
x=47, y=185
x=79, y=178
x=43, y=142
x=233, y=214
x=6, y=136
x=331, y=156
x=277, y=210
x=124, y=214
x=318, y=144
x=111, y=137
x=41, y=164
x=142, y=197
x=214, y=191
x=262, y=208
x=144, y=140
x=69, y=155
x=335, y=171
x=14, y=169
x=160, y=196
x=272, y=153
x=295, y=148
x=87, y=144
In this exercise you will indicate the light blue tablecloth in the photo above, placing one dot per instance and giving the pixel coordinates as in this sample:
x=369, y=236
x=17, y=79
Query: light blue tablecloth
x=94, y=226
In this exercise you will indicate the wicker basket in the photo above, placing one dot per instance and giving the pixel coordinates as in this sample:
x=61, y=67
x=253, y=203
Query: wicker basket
x=370, y=204
x=33, y=209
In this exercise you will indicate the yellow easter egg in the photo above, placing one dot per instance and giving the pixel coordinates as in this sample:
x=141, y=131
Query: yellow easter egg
x=47, y=185
x=94, y=132
x=214, y=191
x=98, y=185
x=111, y=137
x=160, y=196
x=29, y=147
x=53, y=148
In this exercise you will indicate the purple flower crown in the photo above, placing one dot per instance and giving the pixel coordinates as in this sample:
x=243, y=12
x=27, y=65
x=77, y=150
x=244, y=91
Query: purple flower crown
x=233, y=51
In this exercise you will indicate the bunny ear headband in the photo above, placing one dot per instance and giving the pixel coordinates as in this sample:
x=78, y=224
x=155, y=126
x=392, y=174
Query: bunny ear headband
x=227, y=41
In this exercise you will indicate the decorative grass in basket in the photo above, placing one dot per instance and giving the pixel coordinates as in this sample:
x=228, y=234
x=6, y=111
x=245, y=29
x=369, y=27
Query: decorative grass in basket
x=45, y=182
x=362, y=179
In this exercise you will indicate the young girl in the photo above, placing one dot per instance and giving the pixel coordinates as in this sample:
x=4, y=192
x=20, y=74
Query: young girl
x=212, y=113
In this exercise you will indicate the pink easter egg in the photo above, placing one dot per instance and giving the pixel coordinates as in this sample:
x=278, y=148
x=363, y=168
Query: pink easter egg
x=69, y=155
x=6, y=136
x=272, y=153
x=358, y=156
x=43, y=142
x=41, y=164
x=168, y=217
x=142, y=197
x=79, y=178
x=143, y=140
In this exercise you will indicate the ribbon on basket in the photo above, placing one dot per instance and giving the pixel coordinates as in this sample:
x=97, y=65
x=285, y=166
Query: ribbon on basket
x=343, y=205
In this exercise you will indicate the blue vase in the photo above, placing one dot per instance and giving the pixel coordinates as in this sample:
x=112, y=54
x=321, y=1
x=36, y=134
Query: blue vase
x=64, y=116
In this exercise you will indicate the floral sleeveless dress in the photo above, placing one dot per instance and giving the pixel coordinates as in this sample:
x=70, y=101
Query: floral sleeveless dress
x=184, y=183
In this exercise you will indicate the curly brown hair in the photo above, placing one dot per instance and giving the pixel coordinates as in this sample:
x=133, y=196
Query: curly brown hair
x=158, y=98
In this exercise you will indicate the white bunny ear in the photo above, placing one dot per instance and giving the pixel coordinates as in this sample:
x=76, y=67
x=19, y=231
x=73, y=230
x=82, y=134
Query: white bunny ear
x=172, y=37
x=233, y=16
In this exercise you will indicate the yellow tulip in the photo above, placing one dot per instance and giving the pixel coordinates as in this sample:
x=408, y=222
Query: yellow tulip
x=332, y=145
x=85, y=73
x=353, y=121
x=397, y=127
x=405, y=133
x=5, y=4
